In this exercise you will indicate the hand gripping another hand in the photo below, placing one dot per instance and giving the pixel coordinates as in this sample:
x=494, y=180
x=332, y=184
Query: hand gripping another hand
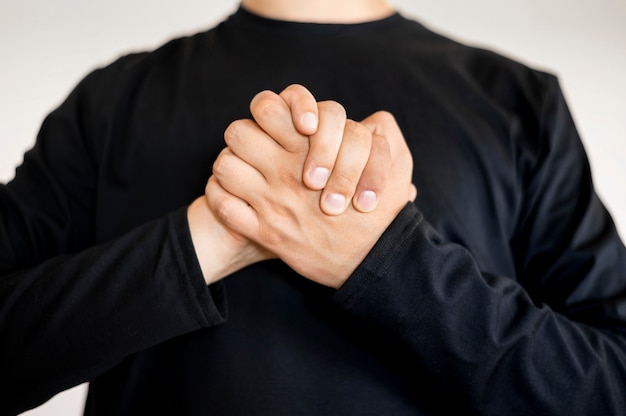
x=279, y=193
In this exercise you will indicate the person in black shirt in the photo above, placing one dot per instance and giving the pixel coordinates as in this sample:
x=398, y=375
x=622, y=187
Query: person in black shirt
x=501, y=289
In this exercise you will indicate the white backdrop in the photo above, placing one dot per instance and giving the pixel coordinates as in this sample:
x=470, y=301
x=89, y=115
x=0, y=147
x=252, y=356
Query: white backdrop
x=47, y=46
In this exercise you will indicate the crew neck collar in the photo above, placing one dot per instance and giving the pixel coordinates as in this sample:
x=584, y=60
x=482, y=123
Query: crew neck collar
x=252, y=21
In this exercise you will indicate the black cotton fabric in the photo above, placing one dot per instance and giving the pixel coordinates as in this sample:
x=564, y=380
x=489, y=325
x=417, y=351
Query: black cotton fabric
x=500, y=291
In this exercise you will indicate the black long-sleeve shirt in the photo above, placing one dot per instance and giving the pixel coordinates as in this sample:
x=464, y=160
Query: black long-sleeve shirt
x=501, y=290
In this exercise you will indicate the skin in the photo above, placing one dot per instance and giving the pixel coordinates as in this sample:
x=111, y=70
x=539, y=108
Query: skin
x=320, y=11
x=328, y=148
x=257, y=205
x=329, y=177
x=258, y=194
x=219, y=250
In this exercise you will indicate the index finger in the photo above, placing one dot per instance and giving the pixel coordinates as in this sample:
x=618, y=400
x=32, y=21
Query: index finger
x=273, y=115
x=303, y=108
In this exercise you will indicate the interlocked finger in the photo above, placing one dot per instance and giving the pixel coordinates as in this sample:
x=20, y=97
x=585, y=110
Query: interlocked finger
x=351, y=160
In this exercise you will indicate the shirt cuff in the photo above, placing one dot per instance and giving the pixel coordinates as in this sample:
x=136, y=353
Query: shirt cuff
x=207, y=302
x=382, y=255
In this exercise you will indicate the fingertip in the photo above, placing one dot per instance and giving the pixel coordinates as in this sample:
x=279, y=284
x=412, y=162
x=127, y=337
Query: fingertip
x=317, y=178
x=333, y=204
x=303, y=108
x=309, y=123
x=366, y=201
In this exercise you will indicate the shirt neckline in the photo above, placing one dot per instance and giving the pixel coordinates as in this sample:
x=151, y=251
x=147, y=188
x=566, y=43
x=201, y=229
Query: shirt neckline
x=251, y=21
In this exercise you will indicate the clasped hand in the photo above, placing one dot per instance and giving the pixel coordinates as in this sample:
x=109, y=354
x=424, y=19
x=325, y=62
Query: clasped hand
x=303, y=183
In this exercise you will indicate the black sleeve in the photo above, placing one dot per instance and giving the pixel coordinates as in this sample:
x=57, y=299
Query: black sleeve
x=551, y=340
x=70, y=309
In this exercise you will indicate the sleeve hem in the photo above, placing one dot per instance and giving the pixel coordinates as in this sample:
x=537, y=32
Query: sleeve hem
x=376, y=264
x=207, y=302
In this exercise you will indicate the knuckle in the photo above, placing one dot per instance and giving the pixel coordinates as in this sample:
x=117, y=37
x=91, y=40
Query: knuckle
x=333, y=108
x=265, y=105
x=220, y=166
x=233, y=132
x=224, y=211
x=261, y=96
x=385, y=116
x=295, y=89
x=358, y=132
x=382, y=122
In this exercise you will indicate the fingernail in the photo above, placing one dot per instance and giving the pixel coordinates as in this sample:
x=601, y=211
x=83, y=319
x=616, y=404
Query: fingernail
x=366, y=201
x=334, y=204
x=318, y=177
x=309, y=120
